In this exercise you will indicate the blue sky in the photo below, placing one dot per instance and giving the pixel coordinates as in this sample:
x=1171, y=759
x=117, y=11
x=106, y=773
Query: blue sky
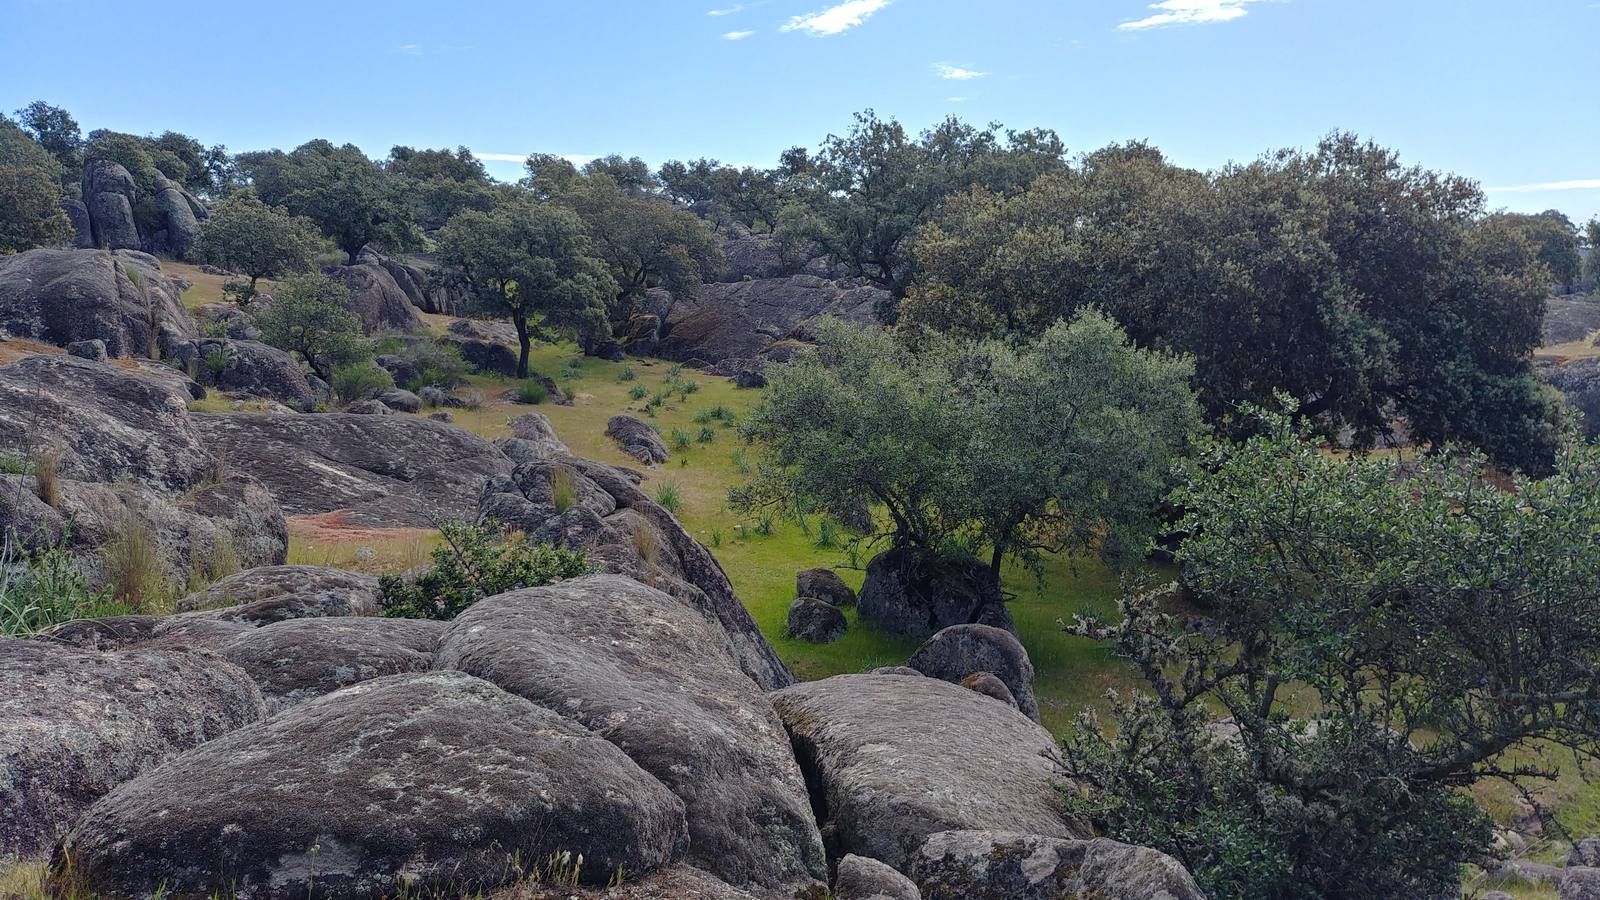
x=1504, y=91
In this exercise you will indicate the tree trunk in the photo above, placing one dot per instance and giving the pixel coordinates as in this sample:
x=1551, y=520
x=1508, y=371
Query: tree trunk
x=524, y=340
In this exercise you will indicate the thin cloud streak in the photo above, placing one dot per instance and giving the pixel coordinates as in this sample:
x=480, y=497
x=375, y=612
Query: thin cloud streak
x=1581, y=184
x=1189, y=12
x=737, y=35
x=957, y=73
x=836, y=19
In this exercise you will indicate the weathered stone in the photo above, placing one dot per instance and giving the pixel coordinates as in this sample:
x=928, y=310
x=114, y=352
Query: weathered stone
x=533, y=437
x=824, y=584
x=997, y=865
x=438, y=783
x=911, y=594
x=676, y=883
x=176, y=208
x=368, y=408
x=817, y=621
x=63, y=296
x=1579, y=382
x=860, y=878
x=1580, y=884
x=892, y=759
x=653, y=677
x=105, y=424
x=486, y=357
x=484, y=330
x=250, y=367
x=338, y=592
x=896, y=670
x=740, y=320
x=93, y=350
x=960, y=650
x=388, y=471
x=298, y=659
x=74, y=724
x=625, y=531
x=987, y=684
x=637, y=439
x=109, y=193
x=375, y=298
x=1585, y=852
x=400, y=400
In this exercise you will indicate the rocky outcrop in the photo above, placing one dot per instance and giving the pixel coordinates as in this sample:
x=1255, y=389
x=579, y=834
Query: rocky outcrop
x=654, y=678
x=813, y=620
x=1579, y=383
x=108, y=194
x=299, y=659
x=62, y=296
x=1568, y=319
x=249, y=367
x=438, y=784
x=400, y=400
x=387, y=471
x=637, y=439
x=893, y=759
x=375, y=298
x=861, y=878
x=485, y=330
x=532, y=438
x=743, y=320
x=332, y=592
x=425, y=286
x=994, y=865
x=74, y=724
x=180, y=215
x=914, y=595
x=103, y=424
x=961, y=650
x=676, y=883
x=624, y=531
x=117, y=214
x=824, y=584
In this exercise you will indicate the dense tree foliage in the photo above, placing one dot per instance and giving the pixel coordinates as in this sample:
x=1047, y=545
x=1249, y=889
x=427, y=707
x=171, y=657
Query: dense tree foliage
x=30, y=193
x=441, y=183
x=57, y=132
x=310, y=315
x=1380, y=641
x=1059, y=444
x=258, y=241
x=1554, y=238
x=353, y=200
x=1367, y=290
x=532, y=262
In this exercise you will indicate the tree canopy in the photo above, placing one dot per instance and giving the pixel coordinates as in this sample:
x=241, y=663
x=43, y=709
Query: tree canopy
x=1059, y=444
x=349, y=196
x=1554, y=238
x=310, y=315
x=527, y=259
x=30, y=193
x=441, y=183
x=1380, y=638
x=259, y=241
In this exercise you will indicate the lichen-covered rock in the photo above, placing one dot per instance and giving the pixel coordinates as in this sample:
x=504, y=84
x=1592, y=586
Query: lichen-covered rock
x=109, y=193
x=624, y=531
x=860, y=878
x=743, y=319
x=387, y=471
x=995, y=865
x=960, y=650
x=250, y=367
x=817, y=621
x=1585, y=852
x=637, y=439
x=62, y=296
x=107, y=425
x=368, y=408
x=824, y=584
x=913, y=595
x=94, y=350
x=76, y=723
x=297, y=659
x=893, y=759
x=375, y=298
x=438, y=783
x=653, y=677
x=400, y=400
x=676, y=883
x=336, y=592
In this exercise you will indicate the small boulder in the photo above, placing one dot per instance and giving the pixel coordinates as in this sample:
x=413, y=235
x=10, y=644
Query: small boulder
x=368, y=408
x=988, y=685
x=637, y=439
x=860, y=878
x=960, y=650
x=375, y=298
x=433, y=784
x=896, y=670
x=824, y=584
x=249, y=367
x=533, y=437
x=816, y=621
x=911, y=594
x=400, y=400
x=1580, y=884
x=330, y=591
x=297, y=659
x=995, y=865
x=441, y=416
x=93, y=349
x=1585, y=853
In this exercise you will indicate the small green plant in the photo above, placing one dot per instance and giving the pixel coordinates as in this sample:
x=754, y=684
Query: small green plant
x=827, y=536
x=217, y=363
x=563, y=489
x=531, y=392
x=670, y=498
x=637, y=392
x=741, y=460
x=680, y=439
x=658, y=400
x=627, y=374
x=44, y=588
x=766, y=524
x=716, y=537
x=675, y=371
x=707, y=434
x=476, y=561
x=388, y=345
x=133, y=565
x=359, y=381
x=14, y=463
x=704, y=417
x=689, y=387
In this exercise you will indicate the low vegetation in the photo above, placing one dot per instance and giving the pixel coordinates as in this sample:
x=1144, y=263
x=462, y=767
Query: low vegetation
x=476, y=561
x=45, y=587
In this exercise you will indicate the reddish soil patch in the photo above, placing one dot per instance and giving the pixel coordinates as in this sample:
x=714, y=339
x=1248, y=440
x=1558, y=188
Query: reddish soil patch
x=332, y=528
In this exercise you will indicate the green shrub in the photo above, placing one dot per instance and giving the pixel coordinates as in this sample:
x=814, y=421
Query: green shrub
x=13, y=462
x=627, y=374
x=658, y=400
x=707, y=434
x=680, y=439
x=741, y=460
x=766, y=524
x=476, y=561
x=669, y=497
x=42, y=589
x=689, y=387
x=359, y=381
x=532, y=392
x=637, y=392
x=389, y=345
x=674, y=371
x=437, y=363
x=716, y=537
x=217, y=362
x=703, y=417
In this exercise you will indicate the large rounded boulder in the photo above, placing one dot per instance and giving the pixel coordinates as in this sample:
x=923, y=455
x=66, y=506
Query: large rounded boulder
x=990, y=865
x=654, y=678
x=121, y=297
x=892, y=759
x=76, y=723
x=637, y=439
x=316, y=590
x=435, y=784
x=961, y=650
x=298, y=659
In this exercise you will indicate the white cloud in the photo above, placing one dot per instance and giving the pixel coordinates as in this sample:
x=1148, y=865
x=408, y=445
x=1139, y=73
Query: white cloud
x=737, y=35
x=1189, y=12
x=736, y=8
x=1581, y=184
x=409, y=49
x=957, y=99
x=956, y=73
x=836, y=19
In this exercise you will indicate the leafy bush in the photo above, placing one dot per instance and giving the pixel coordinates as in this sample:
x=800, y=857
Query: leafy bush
x=476, y=561
x=702, y=417
x=45, y=588
x=14, y=463
x=359, y=381
x=627, y=374
x=216, y=363
x=669, y=497
x=688, y=387
x=310, y=315
x=637, y=392
x=532, y=392
x=680, y=439
x=437, y=363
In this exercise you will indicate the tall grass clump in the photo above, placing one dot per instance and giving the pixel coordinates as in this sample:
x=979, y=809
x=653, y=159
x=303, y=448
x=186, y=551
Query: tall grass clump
x=44, y=588
x=563, y=489
x=532, y=392
x=670, y=497
x=46, y=468
x=134, y=570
